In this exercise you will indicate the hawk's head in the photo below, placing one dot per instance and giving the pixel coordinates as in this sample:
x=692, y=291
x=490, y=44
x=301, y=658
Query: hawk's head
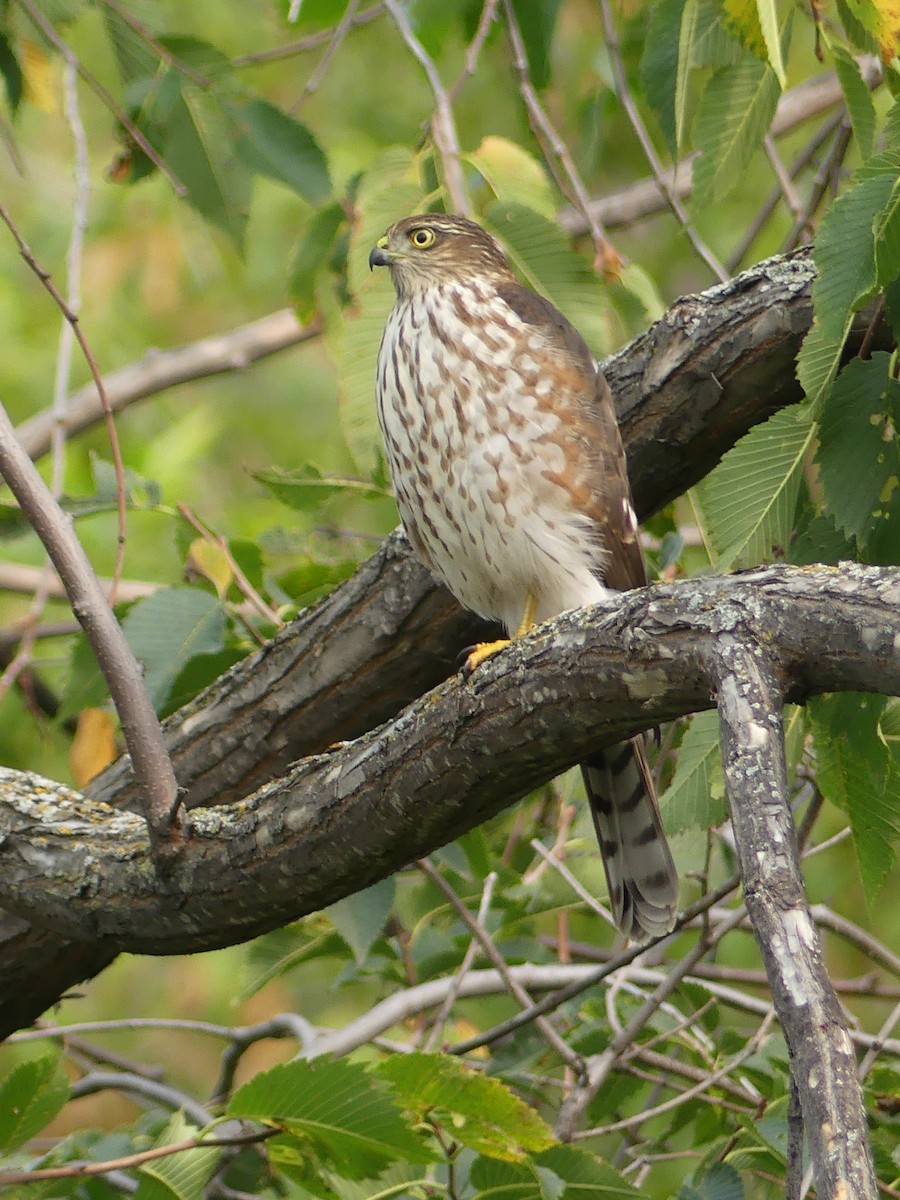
x=433, y=248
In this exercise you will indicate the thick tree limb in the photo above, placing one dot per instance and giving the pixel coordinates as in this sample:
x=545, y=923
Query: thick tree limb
x=338, y=821
x=823, y=1065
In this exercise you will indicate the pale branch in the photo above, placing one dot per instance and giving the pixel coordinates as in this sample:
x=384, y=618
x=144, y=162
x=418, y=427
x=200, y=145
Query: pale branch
x=159, y=370
x=341, y=820
x=749, y=684
x=121, y=670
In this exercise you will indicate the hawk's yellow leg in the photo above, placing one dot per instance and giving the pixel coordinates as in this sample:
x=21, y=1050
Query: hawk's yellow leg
x=485, y=649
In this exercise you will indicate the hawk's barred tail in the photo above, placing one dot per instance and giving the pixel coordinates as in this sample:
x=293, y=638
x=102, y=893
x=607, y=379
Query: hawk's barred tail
x=643, y=885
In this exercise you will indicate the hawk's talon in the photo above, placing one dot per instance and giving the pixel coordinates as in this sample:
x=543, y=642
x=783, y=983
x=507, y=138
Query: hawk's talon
x=475, y=655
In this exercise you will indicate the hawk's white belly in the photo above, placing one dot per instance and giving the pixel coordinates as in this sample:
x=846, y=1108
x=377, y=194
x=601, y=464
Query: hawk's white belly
x=477, y=457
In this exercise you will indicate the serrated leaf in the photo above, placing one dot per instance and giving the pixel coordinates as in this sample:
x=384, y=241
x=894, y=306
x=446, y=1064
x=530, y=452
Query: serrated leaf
x=134, y=57
x=733, y=116
x=857, y=772
x=844, y=252
x=485, y=1115
x=858, y=453
x=720, y=1182
x=168, y=629
x=513, y=175
x=818, y=360
x=539, y=251
x=31, y=1095
x=181, y=1176
x=749, y=501
x=496, y=1180
x=743, y=19
x=315, y=253
x=695, y=799
x=200, y=149
x=275, y=144
x=338, y=1111
x=857, y=97
x=714, y=45
x=860, y=19
x=360, y=918
x=686, y=33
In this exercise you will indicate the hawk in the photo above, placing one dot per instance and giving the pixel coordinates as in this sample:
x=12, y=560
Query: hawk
x=510, y=478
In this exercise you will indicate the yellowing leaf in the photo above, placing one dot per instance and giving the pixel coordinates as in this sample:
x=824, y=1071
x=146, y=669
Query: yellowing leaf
x=94, y=746
x=38, y=71
x=513, y=175
x=210, y=560
x=889, y=30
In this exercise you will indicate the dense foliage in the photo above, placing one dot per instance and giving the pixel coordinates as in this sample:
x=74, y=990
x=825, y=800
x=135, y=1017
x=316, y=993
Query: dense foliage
x=182, y=169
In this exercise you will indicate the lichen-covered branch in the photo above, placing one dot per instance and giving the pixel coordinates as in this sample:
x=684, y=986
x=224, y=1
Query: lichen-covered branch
x=823, y=1064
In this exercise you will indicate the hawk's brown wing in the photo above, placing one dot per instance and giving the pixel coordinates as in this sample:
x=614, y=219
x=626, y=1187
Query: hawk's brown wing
x=613, y=511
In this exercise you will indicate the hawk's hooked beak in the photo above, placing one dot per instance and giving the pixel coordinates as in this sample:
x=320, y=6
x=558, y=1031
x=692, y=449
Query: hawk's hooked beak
x=380, y=256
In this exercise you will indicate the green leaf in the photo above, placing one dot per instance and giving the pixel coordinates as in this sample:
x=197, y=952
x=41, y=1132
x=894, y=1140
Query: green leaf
x=857, y=97
x=315, y=253
x=277, y=145
x=537, y=21
x=198, y=673
x=306, y=488
x=181, y=1176
x=743, y=18
x=585, y=1175
x=495, y=1180
x=686, y=33
x=660, y=65
x=819, y=359
x=844, y=252
x=168, y=629
x=858, y=453
x=340, y=1113
x=748, y=502
x=513, y=175
x=768, y=23
x=858, y=773
x=734, y=114
x=862, y=22
x=12, y=73
x=539, y=250
x=695, y=799
x=720, y=1182
x=887, y=239
x=31, y=1095
x=360, y=918
x=486, y=1116
x=134, y=57
x=200, y=149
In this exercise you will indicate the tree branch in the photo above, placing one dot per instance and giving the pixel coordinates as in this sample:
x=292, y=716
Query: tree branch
x=341, y=820
x=750, y=690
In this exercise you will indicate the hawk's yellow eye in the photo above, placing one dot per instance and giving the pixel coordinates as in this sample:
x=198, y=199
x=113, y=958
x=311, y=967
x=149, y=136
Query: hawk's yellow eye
x=422, y=238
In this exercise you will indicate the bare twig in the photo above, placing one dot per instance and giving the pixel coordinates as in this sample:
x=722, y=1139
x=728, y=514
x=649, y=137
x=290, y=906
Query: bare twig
x=341, y=30
x=823, y=179
x=464, y=967
x=311, y=42
x=554, y=148
x=82, y=1170
x=16, y=577
x=473, y=51
x=626, y=100
x=119, y=666
x=99, y=90
x=159, y=370
x=443, y=126
x=480, y=934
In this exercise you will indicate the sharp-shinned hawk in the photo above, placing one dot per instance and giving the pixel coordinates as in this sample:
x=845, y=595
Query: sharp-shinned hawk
x=511, y=482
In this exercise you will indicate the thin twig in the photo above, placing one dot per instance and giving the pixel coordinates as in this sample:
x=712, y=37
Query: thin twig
x=143, y=736
x=464, y=967
x=554, y=148
x=80, y=1170
x=626, y=100
x=473, y=50
x=246, y=587
x=341, y=30
x=494, y=956
x=99, y=90
x=443, y=127
x=823, y=177
x=311, y=42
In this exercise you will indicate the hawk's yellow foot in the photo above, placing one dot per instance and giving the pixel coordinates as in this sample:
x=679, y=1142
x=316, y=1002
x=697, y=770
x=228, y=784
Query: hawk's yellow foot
x=477, y=655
